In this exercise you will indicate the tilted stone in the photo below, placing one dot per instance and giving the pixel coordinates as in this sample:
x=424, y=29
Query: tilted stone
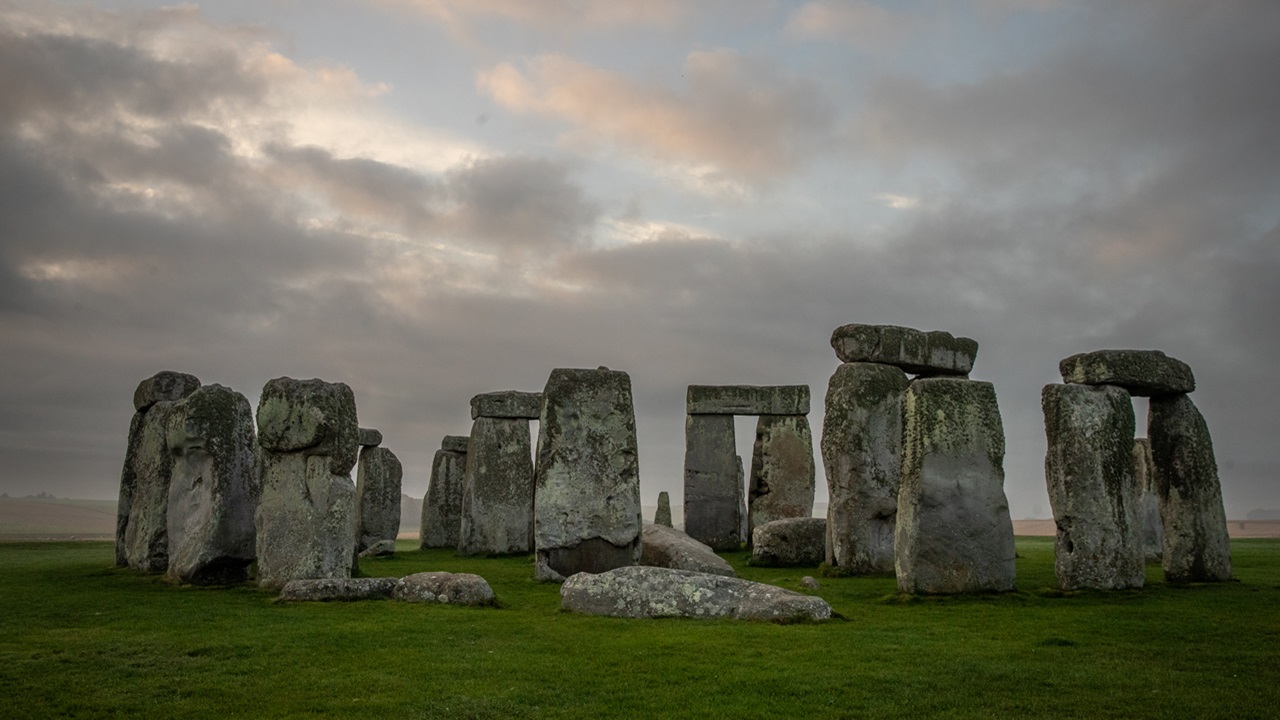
x=445, y=587
x=587, y=506
x=455, y=443
x=651, y=592
x=1196, y=546
x=794, y=541
x=1148, y=501
x=164, y=385
x=953, y=532
x=378, y=480
x=748, y=400
x=497, y=494
x=1142, y=372
x=507, y=404
x=862, y=457
x=662, y=516
x=782, y=473
x=714, y=513
x=916, y=352
x=368, y=437
x=442, y=506
x=669, y=548
x=143, y=535
x=1088, y=468
x=213, y=491
x=337, y=589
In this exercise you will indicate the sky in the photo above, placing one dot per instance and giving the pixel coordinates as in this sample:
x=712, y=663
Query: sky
x=430, y=199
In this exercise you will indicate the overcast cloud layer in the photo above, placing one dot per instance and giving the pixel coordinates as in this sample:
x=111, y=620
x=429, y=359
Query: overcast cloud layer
x=428, y=200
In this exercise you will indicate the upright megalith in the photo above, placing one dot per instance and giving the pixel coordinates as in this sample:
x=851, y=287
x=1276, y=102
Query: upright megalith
x=1089, y=472
x=713, y=494
x=953, y=529
x=306, y=516
x=587, y=506
x=782, y=474
x=442, y=506
x=142, y=510
x=213, y=491
x=662, y=516
x=862, y=456
x=378, y=478
x=497, y=495
x=1148, y=501
x=1196, y=546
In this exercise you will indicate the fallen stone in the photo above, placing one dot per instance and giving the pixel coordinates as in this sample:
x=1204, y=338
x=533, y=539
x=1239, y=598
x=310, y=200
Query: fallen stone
x=916, y=352
x=1141, y=372
x=442, y=506
x=793, y=541
x=337, y=589
x=165, y=385
x=650, y=592
x=368, y=437
x=497, y=489
x=1088, y=468
x=1148, y=501
x=669, y=548
x=662, y=516
x=808, y=582
x=714, y=511
x=782, y=473
x=381, y=548
x=378, y=482
x=444, y=587
x=507, y=404
x=748, y=400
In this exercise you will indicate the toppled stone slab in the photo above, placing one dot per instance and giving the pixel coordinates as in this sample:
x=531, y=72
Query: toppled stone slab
x=455, y=443
x=669, y=548
x=497, y=494
x=337, y=589
x=662, y=516
x=714, y=512
x=368, y=437
x=442, y=506
x=748, y=400
x=165, y=385
x=444, y=587
x=507, y=404
x=1148, y=501
x=650, y=592
x=794, y=541
x=918, y=353
x=1145, y=373
x=782, y=472
x=378, y=482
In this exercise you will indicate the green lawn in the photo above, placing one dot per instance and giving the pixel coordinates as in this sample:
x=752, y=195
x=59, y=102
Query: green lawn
x=79, y=638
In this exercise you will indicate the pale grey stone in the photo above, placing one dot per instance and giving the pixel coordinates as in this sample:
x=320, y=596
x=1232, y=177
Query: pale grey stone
x=748, y=400
x=1148, y=501
x=808, y=582
x=310, y=416
x=862, y=457
x=1196, y=546
x=1088, y=468
x=337, y=589
x=165, y=385
x=587, y=505
x=662, y=516
x=916, y=352
x=444, y=587
x=143, y=542
x=497, y=489
x=793, y=541
x=380, y=548
x=507, y=404
x=669, y=548
x=1141, y=372
x=650, y=592
x=368, y=437
x=213, y=491
x=782, y=473
x=378, y=481
x=455, y=443
x=714, y=510
x=953, y=532
x=442, y=506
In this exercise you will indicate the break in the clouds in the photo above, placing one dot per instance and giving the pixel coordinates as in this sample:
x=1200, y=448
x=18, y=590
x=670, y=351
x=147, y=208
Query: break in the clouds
x=219, y=191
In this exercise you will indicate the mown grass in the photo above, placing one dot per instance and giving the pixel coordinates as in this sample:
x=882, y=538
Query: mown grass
x=79, y=638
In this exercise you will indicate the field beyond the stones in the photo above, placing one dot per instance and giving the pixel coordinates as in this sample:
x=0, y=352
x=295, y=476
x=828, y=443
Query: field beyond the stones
x=80, y=638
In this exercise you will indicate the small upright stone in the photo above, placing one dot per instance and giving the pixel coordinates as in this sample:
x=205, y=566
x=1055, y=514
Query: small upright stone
x=507, y=404
x=497, y=489
x=714, y=512
x=1141, y=372
x=378, y=480
x=442, y=507
x=1148, y=501
x=663, y=515
x=368, y=437
x=918, y=353
x=782, y=474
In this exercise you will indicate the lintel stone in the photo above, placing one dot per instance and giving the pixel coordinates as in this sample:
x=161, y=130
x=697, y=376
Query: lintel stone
x=1145, y=373
x=507, y=404
x=748, y=400
x=455, y=443
x=368, y=437
x=917, y=352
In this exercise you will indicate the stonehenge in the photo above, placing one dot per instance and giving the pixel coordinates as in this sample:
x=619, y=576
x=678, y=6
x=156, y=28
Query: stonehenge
x=442, y=506
x=378, y=477
x=497, y=487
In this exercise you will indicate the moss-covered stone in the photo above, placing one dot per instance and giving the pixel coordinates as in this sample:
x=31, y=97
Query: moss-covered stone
x=310, y=416
x=378, y=478
x=143, y=541
x=166, y=385
x=455, y=443
x=748, y=400
x=497, y=495
x=1148, y=501
x=782, y=471
x=442, y=506
x=1141, y=372
x=507, y=404
x=916, y=352
x=662, y=516
x=713, y=483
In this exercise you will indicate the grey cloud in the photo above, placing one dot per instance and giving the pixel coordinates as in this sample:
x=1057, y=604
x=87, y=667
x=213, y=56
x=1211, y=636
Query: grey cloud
x=519, y=201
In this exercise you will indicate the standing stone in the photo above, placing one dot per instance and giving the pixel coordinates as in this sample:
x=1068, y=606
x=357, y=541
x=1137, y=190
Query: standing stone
x=497, y=495
x=953, y=532
x=1148, y=501
x=714, y=511
x=587, y=507
x=214, y=488
x=306, y=516
x=378, y=477
x=862, y=456
x=1089, y=472
x=442, y=507
x=663, y=515
x=147, y=464
x=1196, y=546
x=782, y=474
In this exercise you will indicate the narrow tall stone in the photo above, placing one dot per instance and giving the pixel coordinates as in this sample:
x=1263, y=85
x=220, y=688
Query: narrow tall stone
x=497, y=490
x=442, y=506
x=953, y=532
x=378, y=480
x=1089, y=472
x=713, y=485
x=663, y=514
x=1148, y=501
x=782, y=474
x=1196, y=546
x=862, y=456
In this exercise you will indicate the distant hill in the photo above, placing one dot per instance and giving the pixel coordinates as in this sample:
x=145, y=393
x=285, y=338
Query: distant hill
x=50, y=518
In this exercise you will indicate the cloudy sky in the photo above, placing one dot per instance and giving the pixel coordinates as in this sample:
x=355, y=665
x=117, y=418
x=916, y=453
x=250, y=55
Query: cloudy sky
x=429, y=199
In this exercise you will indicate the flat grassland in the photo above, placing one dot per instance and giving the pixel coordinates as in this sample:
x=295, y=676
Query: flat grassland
x=80, y=638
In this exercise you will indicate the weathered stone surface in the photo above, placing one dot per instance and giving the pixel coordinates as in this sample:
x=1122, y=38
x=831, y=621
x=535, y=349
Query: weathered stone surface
x=444, y=587
x=442, y=506
x=953, y=532
x=793, y=541
x=808, y=582
x=1141, y=372
x=748, y=400
x=916, y=352
x=587, y=506
x=650, y=592
x=378, y=481
x=337, y=589
x=669, y=548
x=142, y=540
x=455, y=443
x=306, y=516
x=1089, y=472
x=1196, y=547
x=497, y=494
x=165, y=385
x=1148, y=501
x=862, y=457
x=368, y=437
x=782, y=474
x=507, y=404
x=662, y=516
x=213, y=491
x=713, y=495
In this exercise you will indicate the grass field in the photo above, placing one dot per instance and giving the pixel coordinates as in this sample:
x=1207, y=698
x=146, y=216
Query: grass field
x=79, y=638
